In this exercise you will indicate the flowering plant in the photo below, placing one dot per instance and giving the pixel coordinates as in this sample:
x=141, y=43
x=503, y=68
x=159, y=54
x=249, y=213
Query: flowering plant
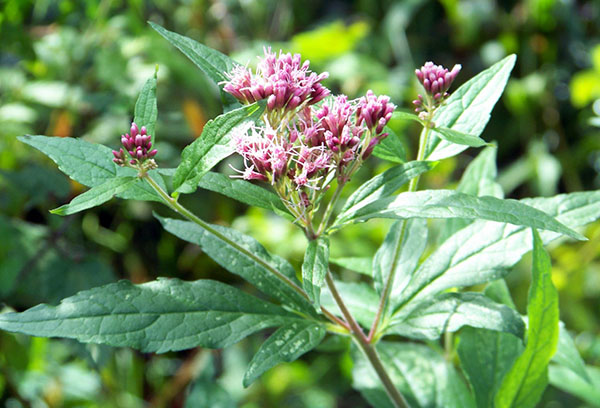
x=300, y=146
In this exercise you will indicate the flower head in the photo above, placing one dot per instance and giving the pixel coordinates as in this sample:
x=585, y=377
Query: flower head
x=436, y=80
x=138, y=147
x=374, y=111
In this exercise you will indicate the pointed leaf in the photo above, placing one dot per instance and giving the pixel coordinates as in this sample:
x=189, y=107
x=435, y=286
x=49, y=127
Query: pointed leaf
x=403, y=115
x=146, y=109
x=159, y=316
x=468, y=109
x=315, y=267
x=527, y=379
x=448, y=312
x=390, y=148
x=214, y=144
x=424, y=377
x=452, y=204
x=287, y=344
x=459, y=138
x=245, y=257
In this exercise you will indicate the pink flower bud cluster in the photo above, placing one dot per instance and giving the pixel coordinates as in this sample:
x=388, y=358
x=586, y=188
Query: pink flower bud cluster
x=283, y=80
x=436, y=80
x=137, y=144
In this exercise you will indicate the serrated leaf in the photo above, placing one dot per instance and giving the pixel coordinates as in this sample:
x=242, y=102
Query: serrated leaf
x=565, y=379
x=568, y=356
x=448, y=312
x=160, y=316
x=424, y=377
x=287, y=344
x=468, y=109
x=383, y=185
x=315, y=267
x=146, y=109
x=241, y=190
x=214, y=144
x=96, y=195
x=459, y=138
x=485, y=358
x=483, y=251
x=210, y=61
x=527, y=379
x=400, y=252
x=244, y=256
x=356, y=264
x=360, y=299
x=452, y=204
x=390, y=148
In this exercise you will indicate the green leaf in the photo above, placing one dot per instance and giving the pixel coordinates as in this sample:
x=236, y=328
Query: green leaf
x=448, y=312
x=485, y=358
x=214, y=144
x=527, y=379
x=484, y=251
x=210, y=61
x=568, y=356
x=565, y=379
x=468, y=109
x=424, y=377
x=459, y=138
x=241, y=190
x=383, y=185
x=360, y=298
x=96, y=195
x=357, y=264
x=146, y=109
x=287, y=344
x=244, y=256
x=400, y=252
x=403, y=115
x=390, y=148
x=452, y=204
x=315, y=267
x=160, y=316
x=206, y=392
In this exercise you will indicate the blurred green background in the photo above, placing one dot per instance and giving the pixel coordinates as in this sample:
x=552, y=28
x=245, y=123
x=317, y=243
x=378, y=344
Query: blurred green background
x=73, y=69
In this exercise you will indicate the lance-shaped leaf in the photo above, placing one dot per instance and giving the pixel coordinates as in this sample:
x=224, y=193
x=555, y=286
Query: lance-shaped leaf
x=403, y=115
x=360, y=299
x=423, y=376
x=568, y=356
x=210, y=61
x=214, y=144
x=527, y=379
x=485, y=358
x=146, y=109
x=383, y=185
x=399, y=254
x=96, y=195
x=353, y=263
x=452, y=204
x=459, y=138
x=90, y=164
x=287, y=344
x=483, y=251
x=241, y=190
x=448, y=312
x=159, y=316
x=245, y=257
x=315, y=267
x=468, y=109
x=390, y=148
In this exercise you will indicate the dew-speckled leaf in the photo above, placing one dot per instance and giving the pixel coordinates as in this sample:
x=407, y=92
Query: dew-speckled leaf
x=315, y=267
x=568, y=356
x=241, y=190
x=448, y=312
x=214, y=144
x=146, y=109
x=423, y=376
x=96, y=196
x=245, y=257
x=360, y=298
x=287, y=344
x=390, y=148
x=452, y=204
x=459, y=138
x=159, y=316
x=468, y=109
x=527, y=379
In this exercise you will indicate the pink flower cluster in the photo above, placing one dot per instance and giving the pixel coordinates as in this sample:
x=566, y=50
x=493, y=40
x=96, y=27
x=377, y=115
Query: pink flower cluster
x=284, y=81
x=137, y=144
x=436, y=80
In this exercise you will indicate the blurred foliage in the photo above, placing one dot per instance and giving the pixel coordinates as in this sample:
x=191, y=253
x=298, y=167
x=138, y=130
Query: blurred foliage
x=73, y=68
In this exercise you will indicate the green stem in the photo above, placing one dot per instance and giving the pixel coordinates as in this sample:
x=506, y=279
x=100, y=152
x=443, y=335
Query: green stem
x=175, y=206
x=368, y=348
x=330, y=207
x=414, y=184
